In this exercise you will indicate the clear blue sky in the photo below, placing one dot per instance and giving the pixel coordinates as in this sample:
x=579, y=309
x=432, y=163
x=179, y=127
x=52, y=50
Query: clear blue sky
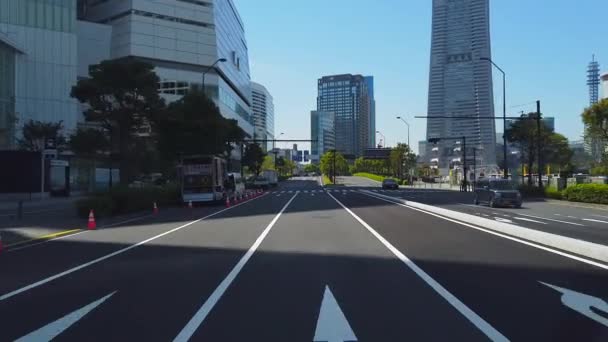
x=544, y=46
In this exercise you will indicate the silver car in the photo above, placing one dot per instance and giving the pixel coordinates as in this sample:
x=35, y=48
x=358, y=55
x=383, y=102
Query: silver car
x=497, y=192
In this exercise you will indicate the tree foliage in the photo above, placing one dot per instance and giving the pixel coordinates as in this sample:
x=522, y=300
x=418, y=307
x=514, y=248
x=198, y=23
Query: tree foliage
x=327, y=164
x=89, y=142
x=268, y=163
x=402, y=160
x=554, y=147
x=36, y=133
x=121, y=96
x=253, y=158
x=311, y=168
x=595, y=119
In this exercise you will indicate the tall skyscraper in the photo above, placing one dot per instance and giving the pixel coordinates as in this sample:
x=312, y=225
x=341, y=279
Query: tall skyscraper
x=263, y=114
x=347, y=96
x=321, y=133
x=369, y=81
x=593, y=80
x=460, y=84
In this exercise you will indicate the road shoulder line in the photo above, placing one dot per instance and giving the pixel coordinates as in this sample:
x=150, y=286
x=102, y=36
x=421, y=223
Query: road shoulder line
x=534, y=238
x=474, y=318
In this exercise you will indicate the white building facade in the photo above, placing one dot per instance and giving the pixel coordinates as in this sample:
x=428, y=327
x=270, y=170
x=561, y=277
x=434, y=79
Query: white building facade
x=183, y=39
x=460, y=83
x=38, y=65
x=263, y=114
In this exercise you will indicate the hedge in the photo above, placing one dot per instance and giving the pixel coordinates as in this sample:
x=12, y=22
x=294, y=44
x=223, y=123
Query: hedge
x=587, y=193
x=124, y=200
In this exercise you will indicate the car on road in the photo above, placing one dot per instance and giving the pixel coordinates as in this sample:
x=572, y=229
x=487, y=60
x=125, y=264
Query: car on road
x=497, y=192
x=389, y=183
x=261, y=182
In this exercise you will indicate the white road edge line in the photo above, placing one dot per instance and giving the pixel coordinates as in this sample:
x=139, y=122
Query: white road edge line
x=508, y=237
x=479, y=322
x=217, y=294
x=548, y=219
x=113, y=254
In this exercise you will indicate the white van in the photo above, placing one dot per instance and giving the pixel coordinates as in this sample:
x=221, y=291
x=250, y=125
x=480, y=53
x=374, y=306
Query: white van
x=236, y=185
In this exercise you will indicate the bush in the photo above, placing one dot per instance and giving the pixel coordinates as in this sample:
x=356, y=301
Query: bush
x=327, y=180
x=123, y=200
x=587, y=193
x=553, y=193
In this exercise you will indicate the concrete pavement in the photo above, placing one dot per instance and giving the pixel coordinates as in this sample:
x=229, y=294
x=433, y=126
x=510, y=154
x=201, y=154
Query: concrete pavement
x=299, y=264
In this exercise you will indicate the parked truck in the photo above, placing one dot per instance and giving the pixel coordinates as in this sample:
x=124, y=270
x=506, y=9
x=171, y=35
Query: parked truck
x=272, y=176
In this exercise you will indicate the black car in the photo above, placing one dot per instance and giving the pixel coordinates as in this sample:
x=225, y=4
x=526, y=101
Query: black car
x=497, y=192
x=389, y=184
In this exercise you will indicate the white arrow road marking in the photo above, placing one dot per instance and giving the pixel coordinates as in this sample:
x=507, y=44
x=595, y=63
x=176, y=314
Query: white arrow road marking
x=500, y=219
x=332, y=325
x=582, y=303
x=528, y=220
x=51, y=330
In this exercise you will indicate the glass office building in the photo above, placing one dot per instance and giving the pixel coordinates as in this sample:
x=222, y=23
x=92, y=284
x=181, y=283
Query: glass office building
x=321, y=134
x=38, y=62
x=263, y=114
x=347, y=96
x=183, y=39
x=460, y=84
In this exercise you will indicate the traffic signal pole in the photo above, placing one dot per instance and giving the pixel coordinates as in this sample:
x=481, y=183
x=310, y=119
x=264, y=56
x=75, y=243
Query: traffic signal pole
x=538, y=145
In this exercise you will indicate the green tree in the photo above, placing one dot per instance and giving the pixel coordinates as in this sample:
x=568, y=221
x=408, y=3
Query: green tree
x=193, y=125
x=268, y=163
x=595, y=119
x=121, y=96
x=310, y=168
x=327, y=164
x=253, y=158
x=36, y=133
x=88, y=143
x=402, y=159
x=555, y=150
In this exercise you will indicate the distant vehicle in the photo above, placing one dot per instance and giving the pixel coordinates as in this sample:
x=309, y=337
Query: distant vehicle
x=261, y=182
x=203, y=179
x=389, y=183
x=497, y=192
x=272, y=176
x=236, y=185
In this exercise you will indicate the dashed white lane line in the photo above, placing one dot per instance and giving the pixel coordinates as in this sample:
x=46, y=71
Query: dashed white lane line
x=553, y=220
x=479, y=322
x=113, y=254
x=529, y=220
x=217, y=294
x=594, y=220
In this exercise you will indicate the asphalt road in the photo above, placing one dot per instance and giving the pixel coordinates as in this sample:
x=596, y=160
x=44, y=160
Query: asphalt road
x=299, y=264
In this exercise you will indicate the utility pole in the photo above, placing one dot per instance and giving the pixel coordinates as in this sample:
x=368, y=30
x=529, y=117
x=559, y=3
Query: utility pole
x=539, y=143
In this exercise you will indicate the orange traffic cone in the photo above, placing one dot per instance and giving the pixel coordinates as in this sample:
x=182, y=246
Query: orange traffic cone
x=92, y=225
x=227, y=202
x=236, y=199
x=190, y=204
x=155, y=209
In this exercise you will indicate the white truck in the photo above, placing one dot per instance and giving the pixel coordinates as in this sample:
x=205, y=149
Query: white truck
x=203, y=179
x=272, y=176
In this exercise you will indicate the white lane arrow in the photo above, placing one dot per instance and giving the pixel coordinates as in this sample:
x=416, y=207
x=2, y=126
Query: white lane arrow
x=332, y=325
x=582, y=303
x=51, y=330
x=500, y=219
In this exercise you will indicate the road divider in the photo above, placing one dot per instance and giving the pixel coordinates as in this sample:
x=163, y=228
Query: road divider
x=553, y=243
x=202, y=313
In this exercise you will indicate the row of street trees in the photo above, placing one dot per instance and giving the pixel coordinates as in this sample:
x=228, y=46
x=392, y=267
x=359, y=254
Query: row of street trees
x=132, y=126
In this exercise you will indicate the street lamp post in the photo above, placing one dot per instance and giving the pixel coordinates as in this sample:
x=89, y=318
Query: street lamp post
x=383, y=138
x=408, y=130
x=220, y=60
x=504, y=114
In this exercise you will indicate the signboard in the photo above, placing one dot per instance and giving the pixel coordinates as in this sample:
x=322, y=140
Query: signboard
x=197, y=169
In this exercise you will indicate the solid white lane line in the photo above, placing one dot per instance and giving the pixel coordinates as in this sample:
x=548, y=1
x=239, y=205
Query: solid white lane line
x=479, y=322
x=602, y=216
x=593, y=220
x=529, y=220
x=554, y=220
x=113, y=254
x=51, y=330
x=492, y=232
x=217, y=294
